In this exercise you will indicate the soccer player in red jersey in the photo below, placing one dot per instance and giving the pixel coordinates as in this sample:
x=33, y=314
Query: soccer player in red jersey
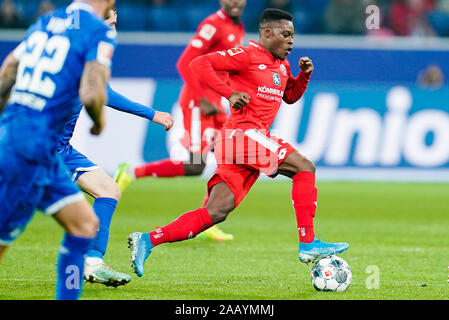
x=203, y=113
x=260, y=78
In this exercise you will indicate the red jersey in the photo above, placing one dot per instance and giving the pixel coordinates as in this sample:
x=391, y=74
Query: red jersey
x=216, y=32
x=253, y=70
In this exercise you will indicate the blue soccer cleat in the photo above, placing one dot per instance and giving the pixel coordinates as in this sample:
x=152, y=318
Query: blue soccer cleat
x=317, y=249
x=140, y=245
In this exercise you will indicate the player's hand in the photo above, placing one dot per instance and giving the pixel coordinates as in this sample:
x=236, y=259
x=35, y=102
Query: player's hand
x=208, y=108
x=306, y=65
x=164, y=119
x=238, y=100
x=98, y=126
x=97, y=129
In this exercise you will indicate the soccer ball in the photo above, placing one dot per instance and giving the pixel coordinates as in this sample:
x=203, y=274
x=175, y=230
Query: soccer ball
x=331, y=274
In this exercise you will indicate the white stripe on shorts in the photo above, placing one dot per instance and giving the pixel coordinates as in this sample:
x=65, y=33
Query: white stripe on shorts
x=87, y=169
x=262, y=139
x=58, y=205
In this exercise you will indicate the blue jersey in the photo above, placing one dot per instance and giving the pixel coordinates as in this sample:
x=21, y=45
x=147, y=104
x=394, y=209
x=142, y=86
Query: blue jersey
x=51, y=61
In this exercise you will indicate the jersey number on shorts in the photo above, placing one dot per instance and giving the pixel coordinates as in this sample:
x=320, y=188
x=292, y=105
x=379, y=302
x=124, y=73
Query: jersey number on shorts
x=35, y=63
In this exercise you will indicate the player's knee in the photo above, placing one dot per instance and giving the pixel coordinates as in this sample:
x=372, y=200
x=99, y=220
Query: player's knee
x=109, y=190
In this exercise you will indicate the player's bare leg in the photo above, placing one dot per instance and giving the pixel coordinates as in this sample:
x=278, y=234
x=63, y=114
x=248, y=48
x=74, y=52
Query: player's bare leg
x=103, y=188
x=78, y=219
x=304, y=196
x=99, y=184
x=2, y=251
x=187, y=226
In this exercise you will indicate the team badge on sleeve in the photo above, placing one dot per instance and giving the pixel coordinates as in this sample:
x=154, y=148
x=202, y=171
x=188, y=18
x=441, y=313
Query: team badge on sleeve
x=105, y=51
x=197, y=43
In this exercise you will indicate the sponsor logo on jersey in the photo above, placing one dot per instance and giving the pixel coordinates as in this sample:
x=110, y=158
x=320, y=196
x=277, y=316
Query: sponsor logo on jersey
x=262, y=66
x=265, y=89
x=276, y=79
x=207, y=32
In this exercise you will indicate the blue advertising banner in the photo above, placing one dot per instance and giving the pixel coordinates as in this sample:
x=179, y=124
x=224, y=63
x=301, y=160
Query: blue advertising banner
x=362, y=117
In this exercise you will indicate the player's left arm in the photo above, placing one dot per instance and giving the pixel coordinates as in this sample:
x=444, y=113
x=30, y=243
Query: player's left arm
x=121, y=103
x=8, y=73
x=297, y=86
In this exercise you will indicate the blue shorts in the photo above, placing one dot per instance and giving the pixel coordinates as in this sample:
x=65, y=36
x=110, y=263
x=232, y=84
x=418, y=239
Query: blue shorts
x=76, y=162
x=29, y=185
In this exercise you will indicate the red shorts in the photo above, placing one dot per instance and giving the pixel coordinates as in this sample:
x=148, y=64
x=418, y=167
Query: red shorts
x=200, y=130
x=242, y=155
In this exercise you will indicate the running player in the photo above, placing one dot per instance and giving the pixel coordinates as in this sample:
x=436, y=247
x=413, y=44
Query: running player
x=201, y=106
x=64, y=58
x=94, y=181
x=260, y=79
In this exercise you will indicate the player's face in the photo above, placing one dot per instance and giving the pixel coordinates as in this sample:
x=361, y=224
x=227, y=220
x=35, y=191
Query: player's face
x=280, y=38
x=111, y=19
x=233, y=8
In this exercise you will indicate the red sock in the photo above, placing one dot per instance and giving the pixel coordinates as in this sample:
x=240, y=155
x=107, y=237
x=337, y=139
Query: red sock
x=163, y=168
x=304, y=196
x=185, y=227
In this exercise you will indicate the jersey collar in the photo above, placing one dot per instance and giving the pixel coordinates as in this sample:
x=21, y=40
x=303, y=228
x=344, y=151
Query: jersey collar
x=261, y=48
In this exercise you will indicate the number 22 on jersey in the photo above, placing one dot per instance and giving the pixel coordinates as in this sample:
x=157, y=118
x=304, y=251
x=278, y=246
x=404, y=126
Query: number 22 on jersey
x=43, y=56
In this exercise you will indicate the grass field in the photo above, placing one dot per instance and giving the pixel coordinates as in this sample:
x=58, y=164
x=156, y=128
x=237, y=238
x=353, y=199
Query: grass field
x=402, y=229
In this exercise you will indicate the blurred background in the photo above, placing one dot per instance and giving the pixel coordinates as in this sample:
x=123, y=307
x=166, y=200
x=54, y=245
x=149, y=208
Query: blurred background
x=398, y=17
x=377, y=107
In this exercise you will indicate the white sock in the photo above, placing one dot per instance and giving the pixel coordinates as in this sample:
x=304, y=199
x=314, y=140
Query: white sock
x=93, y=261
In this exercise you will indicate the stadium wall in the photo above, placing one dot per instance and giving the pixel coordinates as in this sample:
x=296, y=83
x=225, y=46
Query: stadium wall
x=364, y=116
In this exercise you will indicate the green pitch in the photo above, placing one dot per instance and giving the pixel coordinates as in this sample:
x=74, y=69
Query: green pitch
x=398, y=236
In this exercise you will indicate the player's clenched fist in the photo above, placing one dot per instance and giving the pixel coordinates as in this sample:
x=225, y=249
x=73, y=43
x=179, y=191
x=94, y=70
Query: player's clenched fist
x=238, y=100
x=306, y=65
x=164, y=119
x=99, y=125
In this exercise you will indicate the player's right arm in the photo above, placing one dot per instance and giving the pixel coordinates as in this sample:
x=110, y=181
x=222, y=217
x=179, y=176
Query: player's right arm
x=93, y=92
x=233, y=60
x=97, y=71
x=8, y=73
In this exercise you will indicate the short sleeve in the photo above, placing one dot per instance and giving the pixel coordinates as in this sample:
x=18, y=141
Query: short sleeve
x=101, y=46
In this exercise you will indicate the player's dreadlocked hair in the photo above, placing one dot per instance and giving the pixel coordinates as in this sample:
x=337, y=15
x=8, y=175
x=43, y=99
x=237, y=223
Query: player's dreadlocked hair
x=271, y=14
